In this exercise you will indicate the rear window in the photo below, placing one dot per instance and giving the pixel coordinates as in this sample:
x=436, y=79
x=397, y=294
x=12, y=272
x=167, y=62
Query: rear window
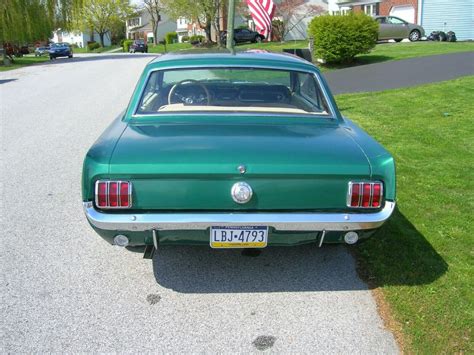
x=232, y=90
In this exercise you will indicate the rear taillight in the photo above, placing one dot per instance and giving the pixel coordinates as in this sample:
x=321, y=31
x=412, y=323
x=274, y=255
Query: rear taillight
x=365, y=194
x=113, y=194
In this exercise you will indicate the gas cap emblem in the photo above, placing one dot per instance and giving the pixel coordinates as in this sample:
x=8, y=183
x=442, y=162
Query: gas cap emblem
x=241, y=192
x=242, y=169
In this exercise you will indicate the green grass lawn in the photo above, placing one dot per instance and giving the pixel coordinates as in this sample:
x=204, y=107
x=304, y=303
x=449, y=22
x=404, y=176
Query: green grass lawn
x=422, y=259
x=396, y=51
x=24, y=61
x=175, y=47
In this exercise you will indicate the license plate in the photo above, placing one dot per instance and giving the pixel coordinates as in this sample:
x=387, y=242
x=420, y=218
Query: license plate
x=239, y=237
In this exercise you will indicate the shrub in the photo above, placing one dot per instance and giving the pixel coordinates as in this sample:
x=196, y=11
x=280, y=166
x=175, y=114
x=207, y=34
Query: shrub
x=339, y=38
x=171, y=37
x=92, y=45
x=126, y=45
x=185, y=39
x=196, y=38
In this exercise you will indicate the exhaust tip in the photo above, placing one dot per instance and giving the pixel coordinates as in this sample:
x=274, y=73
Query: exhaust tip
x=351, y=237
x=121, y=240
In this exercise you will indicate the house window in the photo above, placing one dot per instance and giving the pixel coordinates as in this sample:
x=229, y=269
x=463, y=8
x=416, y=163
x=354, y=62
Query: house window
x=345, y=10
x=133, y=22
x=371, y=9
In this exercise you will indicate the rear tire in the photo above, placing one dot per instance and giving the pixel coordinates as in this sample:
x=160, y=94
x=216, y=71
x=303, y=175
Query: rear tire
x=258, y=39
x=414, y=36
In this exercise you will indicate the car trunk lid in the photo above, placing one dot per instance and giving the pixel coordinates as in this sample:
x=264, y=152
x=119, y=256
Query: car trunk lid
x=192, y=166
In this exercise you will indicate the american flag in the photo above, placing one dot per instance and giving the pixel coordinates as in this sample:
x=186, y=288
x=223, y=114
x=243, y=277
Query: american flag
x=262, y=12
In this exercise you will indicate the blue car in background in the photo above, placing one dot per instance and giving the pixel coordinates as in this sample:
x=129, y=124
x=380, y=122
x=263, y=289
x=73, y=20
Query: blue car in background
x=60, y=50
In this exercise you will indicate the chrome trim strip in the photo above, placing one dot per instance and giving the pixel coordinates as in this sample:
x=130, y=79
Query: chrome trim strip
x=155, y=239
x=322, y=238
x=298, y=221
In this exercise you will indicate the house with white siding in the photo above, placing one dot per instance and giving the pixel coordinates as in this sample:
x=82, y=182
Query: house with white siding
x=140, y=27
x=78, y=38
x=448, y=15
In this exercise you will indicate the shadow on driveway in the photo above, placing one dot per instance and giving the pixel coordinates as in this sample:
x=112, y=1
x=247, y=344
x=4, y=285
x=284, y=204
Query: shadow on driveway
x=4, y=81
x=194, y=269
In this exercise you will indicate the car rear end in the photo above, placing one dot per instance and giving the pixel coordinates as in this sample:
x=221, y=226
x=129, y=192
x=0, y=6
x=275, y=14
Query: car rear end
x=236, y=180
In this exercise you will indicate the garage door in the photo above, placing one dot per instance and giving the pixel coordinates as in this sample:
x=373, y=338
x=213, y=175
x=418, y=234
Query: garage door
x=405, y=12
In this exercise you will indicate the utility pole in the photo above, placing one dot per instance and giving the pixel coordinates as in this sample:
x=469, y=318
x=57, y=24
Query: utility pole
x=230, y=26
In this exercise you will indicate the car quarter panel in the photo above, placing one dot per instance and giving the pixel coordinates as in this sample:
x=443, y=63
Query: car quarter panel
x=382, y=164
x=97, y=161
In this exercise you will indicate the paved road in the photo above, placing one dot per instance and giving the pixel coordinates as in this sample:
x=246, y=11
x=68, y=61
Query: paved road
x=402, y=73
x=65, y=290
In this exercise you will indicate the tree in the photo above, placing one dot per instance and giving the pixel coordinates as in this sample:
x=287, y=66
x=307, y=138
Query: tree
x=102, y=15
x=204, y=12
x=23, y=21
x=290, y=14
x=154, y=8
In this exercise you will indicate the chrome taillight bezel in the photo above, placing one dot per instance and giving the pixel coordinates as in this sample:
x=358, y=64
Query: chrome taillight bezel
x=361, y=187
x=108, y=182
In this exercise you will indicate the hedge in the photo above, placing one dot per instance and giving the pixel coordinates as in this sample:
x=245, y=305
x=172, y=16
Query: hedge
x=196, y=38
x=92, y=45
x=171, y=37
x=339, y=38
x=126, y=45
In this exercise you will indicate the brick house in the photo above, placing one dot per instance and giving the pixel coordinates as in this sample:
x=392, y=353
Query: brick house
x=405, y=9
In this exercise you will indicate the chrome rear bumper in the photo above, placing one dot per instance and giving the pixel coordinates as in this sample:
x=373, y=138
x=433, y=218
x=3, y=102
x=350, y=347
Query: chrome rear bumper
x=298, y=221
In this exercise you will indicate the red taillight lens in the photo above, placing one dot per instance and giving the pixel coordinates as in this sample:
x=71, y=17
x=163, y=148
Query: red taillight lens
x=102, y=194
x=355, y=195
x=376, y=194
x=365, y=194
x=124, y=194
x=113, y=194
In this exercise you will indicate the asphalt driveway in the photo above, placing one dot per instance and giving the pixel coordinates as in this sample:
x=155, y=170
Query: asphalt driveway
x=65, y=290
x=401, y=73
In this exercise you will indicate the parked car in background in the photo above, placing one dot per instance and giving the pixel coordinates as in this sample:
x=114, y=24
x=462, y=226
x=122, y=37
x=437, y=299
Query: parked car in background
x=57, y=50
x=242, y=35
x=39, y=51
x=391, y=27
x=235, y=151
x=138, y=45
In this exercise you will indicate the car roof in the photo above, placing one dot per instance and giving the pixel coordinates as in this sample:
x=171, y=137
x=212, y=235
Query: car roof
x=224, y=57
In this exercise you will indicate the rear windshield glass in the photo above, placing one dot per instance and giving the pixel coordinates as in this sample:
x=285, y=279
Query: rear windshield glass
x=232, y=90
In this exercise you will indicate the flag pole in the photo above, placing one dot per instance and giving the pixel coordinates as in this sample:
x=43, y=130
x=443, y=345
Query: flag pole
x=230, y=26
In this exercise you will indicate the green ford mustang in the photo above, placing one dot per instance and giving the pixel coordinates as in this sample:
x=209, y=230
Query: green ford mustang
x=235, y=151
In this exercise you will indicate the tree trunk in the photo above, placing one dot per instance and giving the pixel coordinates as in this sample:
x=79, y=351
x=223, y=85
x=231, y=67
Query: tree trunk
x=217, y=29
x=101, y=35
x=155, y=32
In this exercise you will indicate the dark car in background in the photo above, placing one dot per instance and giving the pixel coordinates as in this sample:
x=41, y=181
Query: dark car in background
x=391, y=27
x=138, y=45
x=39, y=51
x=242, y=35
x=60, y=50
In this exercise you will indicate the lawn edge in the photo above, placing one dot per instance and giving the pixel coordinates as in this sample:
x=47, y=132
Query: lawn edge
x=384, y=309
